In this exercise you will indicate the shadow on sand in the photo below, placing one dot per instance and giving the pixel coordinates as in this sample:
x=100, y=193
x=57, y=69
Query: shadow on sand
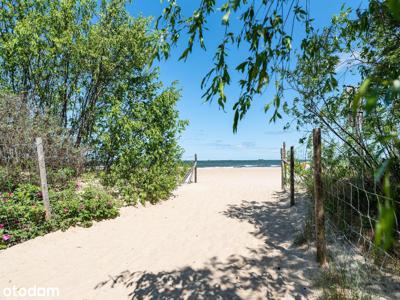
x=274, y=271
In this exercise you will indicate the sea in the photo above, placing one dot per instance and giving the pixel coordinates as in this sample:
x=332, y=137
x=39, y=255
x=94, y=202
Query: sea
x=238, y=163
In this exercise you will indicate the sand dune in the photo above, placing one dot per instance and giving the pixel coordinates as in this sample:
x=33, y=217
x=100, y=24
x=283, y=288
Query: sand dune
x=227, y=237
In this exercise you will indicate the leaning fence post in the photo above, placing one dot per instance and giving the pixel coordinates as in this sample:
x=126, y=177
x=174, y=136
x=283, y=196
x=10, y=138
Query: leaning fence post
x=291, y=176
x=195, y=168
x=318, y=199
x=43, y=177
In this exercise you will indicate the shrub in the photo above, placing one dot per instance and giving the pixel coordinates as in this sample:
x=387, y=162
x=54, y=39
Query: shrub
x=6, y=181
x=22, y=214
x=138, y=147
x=20, y=124
x=92, y=204
x=62, y=177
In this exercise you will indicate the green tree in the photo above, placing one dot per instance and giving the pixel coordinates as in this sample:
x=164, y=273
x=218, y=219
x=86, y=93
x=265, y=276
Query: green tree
x=72, y=56
x=364, y=117
x=89, y=65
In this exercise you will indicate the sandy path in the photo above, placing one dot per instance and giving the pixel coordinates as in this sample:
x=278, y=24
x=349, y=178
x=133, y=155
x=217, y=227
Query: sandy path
x=227, y=237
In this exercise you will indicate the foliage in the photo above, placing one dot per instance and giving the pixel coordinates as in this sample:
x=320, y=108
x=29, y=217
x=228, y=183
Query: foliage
x=138, y=147
x=86, y=65
x=338, y=284
x=6, y=181
x=22, y=214
x=360, y=122
x=381, y=91
x=60, y=59
x=305, y=235
x=20, y=124
x=60, y=178
x=266, y=29
x=92, y=204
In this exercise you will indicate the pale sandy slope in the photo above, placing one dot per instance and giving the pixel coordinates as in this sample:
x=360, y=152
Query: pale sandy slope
x=227, y=237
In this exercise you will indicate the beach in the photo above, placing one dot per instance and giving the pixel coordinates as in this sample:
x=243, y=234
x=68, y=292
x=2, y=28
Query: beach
x=230, y=236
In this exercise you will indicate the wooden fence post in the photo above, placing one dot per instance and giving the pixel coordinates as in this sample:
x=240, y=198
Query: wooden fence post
x=284, y=161
x=282, y=171
x=319, y=200
x=291, y=176
x=195, y=168
x=43, y=177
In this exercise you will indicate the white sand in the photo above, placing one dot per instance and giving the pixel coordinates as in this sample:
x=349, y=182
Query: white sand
x=227, y=237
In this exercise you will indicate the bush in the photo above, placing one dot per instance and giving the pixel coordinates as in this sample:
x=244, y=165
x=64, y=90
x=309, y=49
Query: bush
x=71, y=208
x=138, y=147
x=20, y=124
x=6, y=181
x=22, y=214
x=62, y=177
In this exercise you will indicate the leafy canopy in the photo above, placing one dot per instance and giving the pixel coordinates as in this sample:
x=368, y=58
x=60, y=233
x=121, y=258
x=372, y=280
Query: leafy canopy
x=73, y=57
x=265, y=29
x=89, y=65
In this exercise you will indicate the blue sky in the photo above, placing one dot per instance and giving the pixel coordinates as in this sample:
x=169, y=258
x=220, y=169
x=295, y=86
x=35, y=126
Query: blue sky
x=209, y=133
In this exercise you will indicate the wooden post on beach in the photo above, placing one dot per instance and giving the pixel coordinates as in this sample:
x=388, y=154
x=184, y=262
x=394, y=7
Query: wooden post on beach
x=282, y=171
x=291, y=176
x=284, y=162
x=195, y=168
x=43, y=177
x=319, y=200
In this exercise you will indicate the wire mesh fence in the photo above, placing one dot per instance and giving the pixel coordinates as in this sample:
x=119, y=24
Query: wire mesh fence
x=351, y=207
x=303, y=164
x=43, y=191
x=19, y=179
x=36, y=199
x=18, y=164
x=354, y=211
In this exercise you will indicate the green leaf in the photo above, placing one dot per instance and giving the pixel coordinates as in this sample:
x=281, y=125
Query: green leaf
x=221, y=89
x=235, y=4
x=381, y=171
x=242, y=66
x=185, y=54
x=235, y=121
x=384, y=226
x=372, y=99
x=361, y=93
x=267, y=107
x=394, y=6
x=225, y=18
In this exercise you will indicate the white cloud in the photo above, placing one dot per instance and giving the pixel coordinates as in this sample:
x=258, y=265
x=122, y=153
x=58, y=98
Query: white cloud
x=219, y=144
x=347, y=60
